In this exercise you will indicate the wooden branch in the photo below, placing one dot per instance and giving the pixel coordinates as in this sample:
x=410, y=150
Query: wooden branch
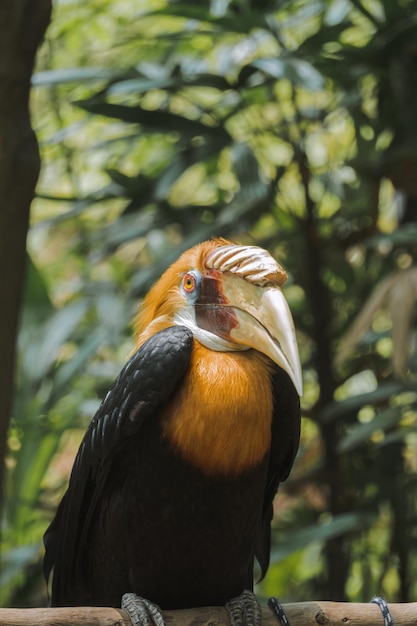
x=299, y=614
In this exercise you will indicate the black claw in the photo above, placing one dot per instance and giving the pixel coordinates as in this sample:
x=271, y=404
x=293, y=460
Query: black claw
x=279, y=611
x=388, y=619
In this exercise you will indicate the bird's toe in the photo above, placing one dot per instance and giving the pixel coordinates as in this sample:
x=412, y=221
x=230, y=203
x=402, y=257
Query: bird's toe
x=244, y=610
x=142, y=612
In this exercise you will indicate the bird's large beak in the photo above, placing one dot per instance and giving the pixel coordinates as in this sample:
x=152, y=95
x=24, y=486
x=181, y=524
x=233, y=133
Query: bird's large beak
x=264, y=322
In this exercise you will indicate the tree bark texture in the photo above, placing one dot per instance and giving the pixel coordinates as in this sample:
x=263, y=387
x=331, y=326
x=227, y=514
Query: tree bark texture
x=22, y=27
x=300, y=614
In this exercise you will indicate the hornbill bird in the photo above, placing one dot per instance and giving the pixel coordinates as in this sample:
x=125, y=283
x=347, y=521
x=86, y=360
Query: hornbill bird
x=170, y=496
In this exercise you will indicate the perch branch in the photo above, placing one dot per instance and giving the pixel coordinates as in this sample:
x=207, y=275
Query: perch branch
x=299, y=614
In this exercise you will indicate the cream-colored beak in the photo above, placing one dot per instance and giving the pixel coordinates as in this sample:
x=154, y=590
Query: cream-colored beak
x=264, y=323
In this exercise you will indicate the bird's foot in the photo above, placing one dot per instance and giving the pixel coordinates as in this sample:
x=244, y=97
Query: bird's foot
x=244, y=610
x=142, y=612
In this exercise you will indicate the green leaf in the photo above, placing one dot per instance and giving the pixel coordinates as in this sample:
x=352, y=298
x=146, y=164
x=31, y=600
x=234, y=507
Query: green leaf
x=36, y=296
x=403, y=235
x=128, y=227
x=179, y=81
x=298, y=71
x=14, y=561
x=350, y=406
x=237, y=20
x=141, y=85
x=153, y=121
x=71, y=368
x=313, y=45
x=33, y=460
x=360, y=434
x=335, y=14
x=73, y=75
x=340, y=525
x=40, y=346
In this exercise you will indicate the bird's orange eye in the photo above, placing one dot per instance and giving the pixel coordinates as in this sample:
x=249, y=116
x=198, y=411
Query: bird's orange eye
x=189, y=283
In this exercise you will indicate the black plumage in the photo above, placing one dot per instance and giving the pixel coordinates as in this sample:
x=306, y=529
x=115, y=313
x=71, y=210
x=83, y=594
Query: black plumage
x=138, y=517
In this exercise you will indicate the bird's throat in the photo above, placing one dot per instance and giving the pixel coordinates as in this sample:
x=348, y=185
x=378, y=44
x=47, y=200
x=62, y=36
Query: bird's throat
x=220, y=417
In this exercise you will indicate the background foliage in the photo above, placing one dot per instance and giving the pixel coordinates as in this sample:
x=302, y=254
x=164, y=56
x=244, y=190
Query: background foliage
x=286, y=124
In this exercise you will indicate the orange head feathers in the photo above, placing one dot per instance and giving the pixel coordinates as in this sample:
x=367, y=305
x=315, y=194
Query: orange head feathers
x=230, y=297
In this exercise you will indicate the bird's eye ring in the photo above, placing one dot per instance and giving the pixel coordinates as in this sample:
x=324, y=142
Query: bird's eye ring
x=189, y=282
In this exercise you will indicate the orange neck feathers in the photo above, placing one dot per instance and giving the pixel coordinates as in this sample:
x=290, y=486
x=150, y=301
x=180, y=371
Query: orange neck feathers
x=220, y=417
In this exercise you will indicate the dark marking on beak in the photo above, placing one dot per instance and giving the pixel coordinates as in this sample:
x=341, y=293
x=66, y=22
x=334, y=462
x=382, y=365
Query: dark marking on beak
x=211, y=310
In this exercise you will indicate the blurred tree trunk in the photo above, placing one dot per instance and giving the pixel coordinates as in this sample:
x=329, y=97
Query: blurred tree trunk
x=22, y=27
x=320, y=304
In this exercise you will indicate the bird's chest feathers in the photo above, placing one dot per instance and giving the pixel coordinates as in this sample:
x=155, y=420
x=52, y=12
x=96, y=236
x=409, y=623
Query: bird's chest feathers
x=220, y=417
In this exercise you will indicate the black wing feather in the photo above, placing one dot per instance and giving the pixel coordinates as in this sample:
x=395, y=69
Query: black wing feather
x=284, y=446
x=142, y=388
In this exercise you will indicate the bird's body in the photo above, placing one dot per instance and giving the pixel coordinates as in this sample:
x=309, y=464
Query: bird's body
x=192, y=534
x=171, y=493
